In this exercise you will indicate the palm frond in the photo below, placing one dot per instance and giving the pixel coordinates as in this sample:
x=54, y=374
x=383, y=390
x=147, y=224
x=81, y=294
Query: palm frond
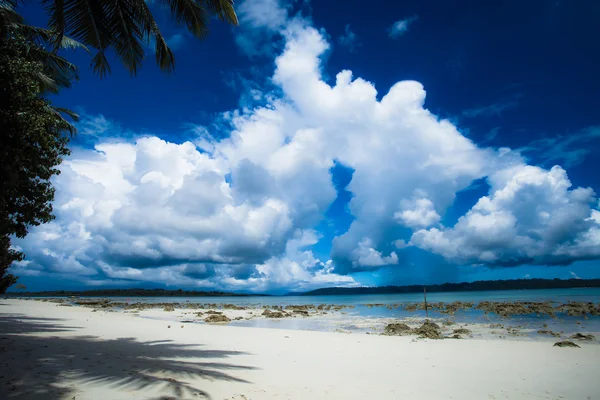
x=66, y=125
x=191, y=13
x=223, y=9
x=8, y=15
x=74, y=116
x=71, y=44
x=56, y=11
x=42, y=36
x=121, y=25
x=12, y=4
x=87, y=22
x=46, y=83
x=57, y=68
x=127, y=35
x=164, y=55
x=100, y=64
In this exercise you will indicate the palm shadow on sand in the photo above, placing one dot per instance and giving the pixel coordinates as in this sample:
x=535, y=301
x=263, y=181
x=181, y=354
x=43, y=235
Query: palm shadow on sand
x=39, y=366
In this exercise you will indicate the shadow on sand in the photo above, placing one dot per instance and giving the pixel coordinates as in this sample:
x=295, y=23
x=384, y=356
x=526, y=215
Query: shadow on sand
x=35, y=367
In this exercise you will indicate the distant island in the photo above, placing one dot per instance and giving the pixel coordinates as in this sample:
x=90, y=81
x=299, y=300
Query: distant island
x=510, y=284
x=128, y=293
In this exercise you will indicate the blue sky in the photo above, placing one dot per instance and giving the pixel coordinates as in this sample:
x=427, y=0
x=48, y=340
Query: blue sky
x=318, y=145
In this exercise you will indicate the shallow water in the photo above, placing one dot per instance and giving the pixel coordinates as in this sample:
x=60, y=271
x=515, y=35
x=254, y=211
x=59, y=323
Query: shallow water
x=363, y=318
x=560, y=295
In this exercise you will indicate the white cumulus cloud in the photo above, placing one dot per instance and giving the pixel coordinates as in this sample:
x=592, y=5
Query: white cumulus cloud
x=532, y=215
x=240, y=213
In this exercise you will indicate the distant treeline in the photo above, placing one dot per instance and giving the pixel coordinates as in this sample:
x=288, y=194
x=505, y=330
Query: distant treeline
x=511, y=284
x=128, y=293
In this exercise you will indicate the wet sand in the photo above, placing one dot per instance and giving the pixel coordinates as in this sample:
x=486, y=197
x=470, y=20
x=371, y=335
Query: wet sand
x=53, y=351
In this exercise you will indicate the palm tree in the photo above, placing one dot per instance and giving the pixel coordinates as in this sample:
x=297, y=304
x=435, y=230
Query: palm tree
x=42, y=46
x=126, y=25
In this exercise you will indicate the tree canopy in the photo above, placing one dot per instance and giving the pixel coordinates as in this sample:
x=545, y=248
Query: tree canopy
x=33, y=142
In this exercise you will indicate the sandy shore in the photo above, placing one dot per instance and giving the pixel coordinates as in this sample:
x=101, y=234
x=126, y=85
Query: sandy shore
x=53, y=352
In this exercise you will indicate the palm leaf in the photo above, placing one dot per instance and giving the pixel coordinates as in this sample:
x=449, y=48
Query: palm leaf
x=56, y=10
x=57, y=68
x=58, y=111
x=87, y=22
x=46, y=83
x=74, y=116
x=191, y=13
x=127, y=35
x=222, y=9
x=164, y=55
x=42, y=36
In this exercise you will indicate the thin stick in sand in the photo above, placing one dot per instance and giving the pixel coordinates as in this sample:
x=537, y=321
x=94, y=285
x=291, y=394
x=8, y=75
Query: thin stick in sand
x=425, y=296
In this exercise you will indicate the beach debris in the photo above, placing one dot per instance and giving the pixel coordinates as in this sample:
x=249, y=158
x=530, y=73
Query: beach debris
x=565, y=343
x=444, y=308
x=548, y=332
x=212, y=312
x=429, y=330
x=342, y=331
x=514, y=331
x=238, y=318
x=579, y=309
x=168, y=326
x=233, y=307
x=216, y=318
x=274, y=314
x=397, y=329
x=583, y=336
x=461, y=331
x=453, y=336
x=304, y=307
x=103, y=303
x=304, y=313
x=455, y=306
x=506, y=309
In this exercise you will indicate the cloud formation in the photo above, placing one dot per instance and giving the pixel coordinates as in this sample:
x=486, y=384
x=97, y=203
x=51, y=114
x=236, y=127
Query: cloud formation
x=400, y=27
x=260, y=21
x=530, y=217
x=494, y=109
x=348, y=39
x=240, y=213
x=568, y=150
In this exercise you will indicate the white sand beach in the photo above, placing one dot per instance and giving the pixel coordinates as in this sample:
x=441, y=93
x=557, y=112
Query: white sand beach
x=49, y=351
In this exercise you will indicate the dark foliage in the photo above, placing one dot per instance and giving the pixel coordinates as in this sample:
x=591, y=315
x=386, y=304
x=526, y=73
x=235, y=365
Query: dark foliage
x=128, y=26
x=509, y=284
x=33, y=141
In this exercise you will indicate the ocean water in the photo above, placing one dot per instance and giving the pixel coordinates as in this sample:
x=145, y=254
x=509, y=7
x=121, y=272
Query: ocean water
x=351, y=318
x=557, y=295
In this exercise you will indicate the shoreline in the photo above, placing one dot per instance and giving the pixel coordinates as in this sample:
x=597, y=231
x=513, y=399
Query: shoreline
x=495, y=320
x=50, y=351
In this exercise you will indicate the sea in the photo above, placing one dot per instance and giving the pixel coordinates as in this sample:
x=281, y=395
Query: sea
x=352, y=319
